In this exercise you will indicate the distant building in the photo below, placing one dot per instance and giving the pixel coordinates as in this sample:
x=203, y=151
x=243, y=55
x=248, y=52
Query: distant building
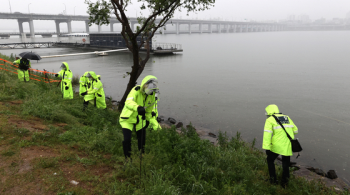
x=320, y=21
x=347, y=20
x=110, y=40
x=304, y=19
x=337, y=21
x=291, y=17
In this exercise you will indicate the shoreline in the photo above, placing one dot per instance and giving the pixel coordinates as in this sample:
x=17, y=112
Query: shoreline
x=307, y=172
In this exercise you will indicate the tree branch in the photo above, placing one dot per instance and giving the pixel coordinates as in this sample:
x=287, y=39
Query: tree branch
x=154, y=15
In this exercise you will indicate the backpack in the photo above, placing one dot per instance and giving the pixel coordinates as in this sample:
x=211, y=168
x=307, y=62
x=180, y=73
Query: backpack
x=24, y=64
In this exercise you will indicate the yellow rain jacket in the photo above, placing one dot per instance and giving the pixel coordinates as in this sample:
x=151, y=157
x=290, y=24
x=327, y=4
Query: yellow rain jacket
x=137, y=97
x=83, y=83
x=96, y=94
x=23, y=66
x=275, y=138
x=66, y=82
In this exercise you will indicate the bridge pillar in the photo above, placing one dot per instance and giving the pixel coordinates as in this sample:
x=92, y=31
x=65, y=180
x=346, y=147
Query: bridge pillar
x=177, y=28
x=234, y=28
x=69, y=26
x=241, y=28
x=31, y=28
x=111, y=26
x=20, y=25
x=99, y=28
x=219, y=28
x=57, y=28
x=87, y=29
x=200, y=28
x=210, y=27
x=189, y=27
x=132, y=26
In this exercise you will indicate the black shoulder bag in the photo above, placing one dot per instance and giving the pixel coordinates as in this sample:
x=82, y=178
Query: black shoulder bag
x=296, y=147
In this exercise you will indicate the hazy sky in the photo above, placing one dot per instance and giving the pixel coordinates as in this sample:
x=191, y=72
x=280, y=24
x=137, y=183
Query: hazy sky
x=237, y=10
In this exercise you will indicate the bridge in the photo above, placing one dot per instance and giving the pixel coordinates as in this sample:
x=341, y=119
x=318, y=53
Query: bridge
x=43, y=34
x=204, y=26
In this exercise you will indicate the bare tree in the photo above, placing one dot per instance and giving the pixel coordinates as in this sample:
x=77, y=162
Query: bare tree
x=160, y=12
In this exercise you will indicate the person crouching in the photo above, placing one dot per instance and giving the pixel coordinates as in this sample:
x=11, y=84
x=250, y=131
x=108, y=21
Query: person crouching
x=95, y=94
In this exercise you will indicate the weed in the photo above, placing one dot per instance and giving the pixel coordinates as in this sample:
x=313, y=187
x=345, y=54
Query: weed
x=22, y=132
x=222, y=139
x=253, y=143
x=47, y=162
x=75, y=80
x=66, y=193
x=8, y=153
x=85, y=161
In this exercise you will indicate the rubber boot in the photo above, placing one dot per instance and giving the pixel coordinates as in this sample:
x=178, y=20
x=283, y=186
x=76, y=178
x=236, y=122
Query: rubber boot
x=127, y=148
x=85, y=105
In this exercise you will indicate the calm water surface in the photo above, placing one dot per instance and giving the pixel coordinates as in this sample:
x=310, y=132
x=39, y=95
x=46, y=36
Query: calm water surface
x=225, y=81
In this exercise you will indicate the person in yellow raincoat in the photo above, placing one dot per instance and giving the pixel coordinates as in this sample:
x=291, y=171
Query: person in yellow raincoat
x=276, y=141
x=23, y=66
x=66, y=82
x=84, y=84
x=138, y=113
x=95, y=94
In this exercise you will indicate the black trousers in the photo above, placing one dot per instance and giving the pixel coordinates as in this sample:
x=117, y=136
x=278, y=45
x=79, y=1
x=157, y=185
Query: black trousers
x=271, y=157
x=141, y=140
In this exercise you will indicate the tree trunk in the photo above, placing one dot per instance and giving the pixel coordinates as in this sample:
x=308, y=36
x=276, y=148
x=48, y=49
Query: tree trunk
x=133, y=75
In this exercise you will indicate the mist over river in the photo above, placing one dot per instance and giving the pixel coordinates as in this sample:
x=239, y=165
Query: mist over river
x=225, y=81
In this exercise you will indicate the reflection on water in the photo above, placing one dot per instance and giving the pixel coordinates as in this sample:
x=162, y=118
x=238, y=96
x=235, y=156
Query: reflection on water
x=225, y=81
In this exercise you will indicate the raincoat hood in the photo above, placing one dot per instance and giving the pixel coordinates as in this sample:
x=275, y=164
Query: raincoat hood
x=272, y=109
x=146, y=79
x=67, y=66
x=93, y=74
x=85, y=73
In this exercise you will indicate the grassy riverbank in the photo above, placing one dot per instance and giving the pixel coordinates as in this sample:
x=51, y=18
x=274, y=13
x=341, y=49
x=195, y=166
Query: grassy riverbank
x=46, y=142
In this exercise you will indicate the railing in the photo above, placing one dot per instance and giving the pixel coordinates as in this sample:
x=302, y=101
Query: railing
x=37, y=33
x=167, y=46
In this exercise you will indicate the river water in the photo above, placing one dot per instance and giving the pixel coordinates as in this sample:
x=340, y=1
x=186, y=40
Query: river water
x=225, y=81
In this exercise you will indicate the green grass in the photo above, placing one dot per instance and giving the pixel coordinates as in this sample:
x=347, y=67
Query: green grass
x=8, y=153
x=47, y=163
x=172, y=164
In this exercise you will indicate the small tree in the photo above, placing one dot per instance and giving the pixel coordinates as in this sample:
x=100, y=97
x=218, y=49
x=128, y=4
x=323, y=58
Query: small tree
x=160, y=12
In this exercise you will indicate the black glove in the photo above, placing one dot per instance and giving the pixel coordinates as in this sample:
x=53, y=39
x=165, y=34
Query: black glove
x=153, y=114
x=65, y=83
x=67, y=88
x=85, y=93
x=56, y=75
x=141, y=111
